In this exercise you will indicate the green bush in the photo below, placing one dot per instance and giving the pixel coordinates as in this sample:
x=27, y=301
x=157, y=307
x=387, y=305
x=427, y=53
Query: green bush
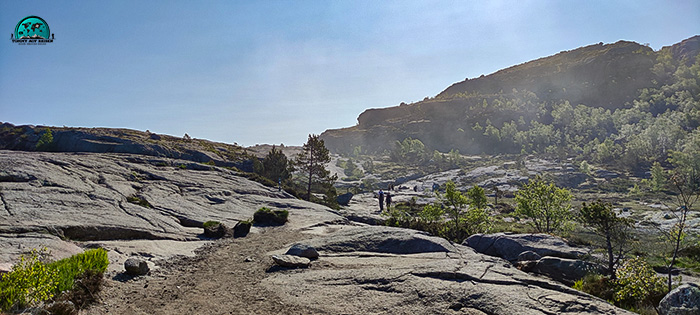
x=139, y=201
x=210, y=224
x=638, y=284
x=70, y=268
x=45, y=142
x=598, y=285
x=637, y=287
x=267, y=216
x=32, y=281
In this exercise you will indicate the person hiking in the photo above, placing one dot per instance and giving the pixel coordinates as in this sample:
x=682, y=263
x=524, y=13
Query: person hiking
x=388, y=200
x=381, y=200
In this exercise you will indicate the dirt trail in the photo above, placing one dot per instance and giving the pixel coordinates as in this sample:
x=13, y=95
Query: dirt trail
x=221, y=279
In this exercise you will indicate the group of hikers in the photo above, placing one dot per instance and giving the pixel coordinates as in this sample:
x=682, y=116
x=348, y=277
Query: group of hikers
x=384, y=197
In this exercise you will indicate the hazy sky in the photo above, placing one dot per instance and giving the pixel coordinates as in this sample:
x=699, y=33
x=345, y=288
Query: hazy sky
x=274, y=71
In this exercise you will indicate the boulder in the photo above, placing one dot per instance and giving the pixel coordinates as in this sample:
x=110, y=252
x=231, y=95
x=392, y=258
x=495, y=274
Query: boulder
x=344, y=199
x=136, y=267
x=242, y=228
x=381, y=239
x=683, y=300
x=291, y=261
x=303, y=250
x=215, y=230
x=510, y=246
x=564, y=270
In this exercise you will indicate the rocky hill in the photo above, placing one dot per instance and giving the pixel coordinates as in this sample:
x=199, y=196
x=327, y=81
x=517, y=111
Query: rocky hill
x=603, y=77
x=112, y=140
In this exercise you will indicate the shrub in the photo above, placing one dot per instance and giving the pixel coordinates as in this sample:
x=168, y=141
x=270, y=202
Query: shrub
x=72, y=267
x=547, y=205
x=32, y=281
x=209, y=224
x=45, y=142
x=638, y=284
x=598, y=285
x=139, y=201
x=266, y=216
x=29, y=282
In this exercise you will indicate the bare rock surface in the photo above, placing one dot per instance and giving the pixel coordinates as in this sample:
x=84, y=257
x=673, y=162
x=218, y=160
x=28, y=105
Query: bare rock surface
x=396, y=271
x=63, y=200
x=510, y=246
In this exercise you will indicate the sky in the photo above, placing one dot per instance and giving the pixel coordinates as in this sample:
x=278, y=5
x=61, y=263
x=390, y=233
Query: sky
x=271, y=72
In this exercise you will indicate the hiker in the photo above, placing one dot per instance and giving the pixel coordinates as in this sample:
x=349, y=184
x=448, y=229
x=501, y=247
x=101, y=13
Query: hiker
x=388, y=200
x=381, y=200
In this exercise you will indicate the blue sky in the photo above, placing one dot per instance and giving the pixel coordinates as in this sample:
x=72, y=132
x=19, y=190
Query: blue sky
x=274, y=71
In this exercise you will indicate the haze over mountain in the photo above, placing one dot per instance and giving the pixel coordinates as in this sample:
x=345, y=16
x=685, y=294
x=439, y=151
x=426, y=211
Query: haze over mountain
x=535, y=105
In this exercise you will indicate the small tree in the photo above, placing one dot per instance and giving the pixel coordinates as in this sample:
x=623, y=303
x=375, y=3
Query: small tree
x=465, y=218
x=686, y=181
x=274, y=166
x=45, y=142
x=658, y=177
x=602, y=219
x=311, y=163
x=477, y=197
x=547, y=205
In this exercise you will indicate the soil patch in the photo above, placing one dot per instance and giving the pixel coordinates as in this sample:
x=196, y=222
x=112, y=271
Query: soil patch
x=222, y=278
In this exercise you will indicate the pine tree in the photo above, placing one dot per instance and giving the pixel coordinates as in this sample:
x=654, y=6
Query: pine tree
x=274, y=166
x=311, y=163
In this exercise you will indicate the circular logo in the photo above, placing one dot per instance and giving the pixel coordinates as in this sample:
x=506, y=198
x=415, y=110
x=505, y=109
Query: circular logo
x=32, y=27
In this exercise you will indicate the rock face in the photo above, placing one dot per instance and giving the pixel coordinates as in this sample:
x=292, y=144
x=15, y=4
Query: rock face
x=683, y=300
x=510, y=246
x=59, y=200
x=136, y=267
x=372, y=269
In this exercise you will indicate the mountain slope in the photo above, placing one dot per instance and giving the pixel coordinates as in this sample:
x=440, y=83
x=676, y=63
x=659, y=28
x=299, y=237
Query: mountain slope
x=533, y=106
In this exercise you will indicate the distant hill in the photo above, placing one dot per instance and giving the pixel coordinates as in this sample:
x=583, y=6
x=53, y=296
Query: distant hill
x=114, y=140
x=506, y=112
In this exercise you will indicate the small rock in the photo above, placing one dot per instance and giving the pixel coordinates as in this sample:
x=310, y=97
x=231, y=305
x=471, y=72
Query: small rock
x=303, y=250
x=249, y=259
x=528, y=255
x=242, y=228
x=290, y=261
x=683, y=300
x=136, y=267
